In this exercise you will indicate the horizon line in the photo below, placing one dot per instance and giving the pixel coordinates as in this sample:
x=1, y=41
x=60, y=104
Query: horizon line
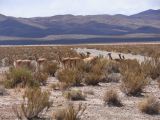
x=78, y=14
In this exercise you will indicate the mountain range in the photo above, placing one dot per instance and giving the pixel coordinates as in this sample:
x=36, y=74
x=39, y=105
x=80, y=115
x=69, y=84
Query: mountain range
x=144, y=24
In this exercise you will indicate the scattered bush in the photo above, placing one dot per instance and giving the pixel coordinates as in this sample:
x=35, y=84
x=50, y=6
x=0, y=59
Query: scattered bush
x=113, y=67
x=51, y=68
x=113, y=77
x=34, y=102
x=111, y=98
x=20, y=76
x=95, y=72
x=155, y=71
x=72, y=77
x=92, y=78
x=74, y=95
x=134, y=79
x=150, y=106
x=40, y=77
x=133, y=83
x=70, y=113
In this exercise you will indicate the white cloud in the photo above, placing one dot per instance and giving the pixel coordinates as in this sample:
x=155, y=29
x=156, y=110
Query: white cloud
x=30, y=8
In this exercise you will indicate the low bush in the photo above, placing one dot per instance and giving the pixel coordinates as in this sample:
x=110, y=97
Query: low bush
x=113, y=77
x=149, y=105
x=20, y=76
x=111, y=98
x=34, y=102
x=134, y=79
x=113, y=67
x=51, y=68
x=74, y=95
x=95, y=72
x=40, y=77
x=72, y=77
x=92, y=78
x=70, y=113
x=133, y=83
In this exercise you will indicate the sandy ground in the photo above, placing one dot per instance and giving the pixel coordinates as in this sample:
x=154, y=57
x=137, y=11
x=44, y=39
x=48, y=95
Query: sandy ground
x=96, y=110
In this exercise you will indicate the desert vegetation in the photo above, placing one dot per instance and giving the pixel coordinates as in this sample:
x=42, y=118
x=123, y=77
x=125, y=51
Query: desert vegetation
x=31, y=107
x=87, y=82
x=70, y=112
x=111, y=98
x=149, y=105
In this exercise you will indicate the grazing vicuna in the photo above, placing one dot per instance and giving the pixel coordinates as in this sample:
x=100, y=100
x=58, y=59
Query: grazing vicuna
x=22, y=63
x=89, y=59
x=110, y=57
x=41, y=63
x=70, y=62
x=33, y=65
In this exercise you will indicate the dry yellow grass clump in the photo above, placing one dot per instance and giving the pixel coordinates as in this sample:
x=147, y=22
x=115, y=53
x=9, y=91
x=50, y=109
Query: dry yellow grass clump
x=70, y=112
x=34, y=102
x=95, y=72
x=111, y=98
x=134, y=79
x=74, y=95
x=50, y=68
x=72, y=77
x=149, y=105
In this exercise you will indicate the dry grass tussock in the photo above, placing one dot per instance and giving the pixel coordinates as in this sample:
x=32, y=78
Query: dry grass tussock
x=94, y=72
x=111, y=98
x=74, y=95
x=50, y=68
x=149, y=105
x=134, y=79
x=70, y=113
x=72, y=77
x=34, y=102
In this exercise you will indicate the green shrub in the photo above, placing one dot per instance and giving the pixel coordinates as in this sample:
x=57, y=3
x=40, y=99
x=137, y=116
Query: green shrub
x=34, y=102
x=20, y=76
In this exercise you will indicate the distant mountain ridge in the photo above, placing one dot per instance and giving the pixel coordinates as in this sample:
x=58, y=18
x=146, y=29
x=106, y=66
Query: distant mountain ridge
x=39, y=27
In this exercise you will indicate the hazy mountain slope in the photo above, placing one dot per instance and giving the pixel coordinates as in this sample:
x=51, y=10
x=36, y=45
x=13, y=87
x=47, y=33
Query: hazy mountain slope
x=149, y=14
x=39, y=27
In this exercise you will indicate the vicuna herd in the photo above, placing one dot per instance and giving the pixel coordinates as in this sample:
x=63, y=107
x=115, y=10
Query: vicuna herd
x=68, y=62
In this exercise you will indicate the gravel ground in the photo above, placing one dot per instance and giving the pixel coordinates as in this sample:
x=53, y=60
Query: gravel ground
x=96, y=110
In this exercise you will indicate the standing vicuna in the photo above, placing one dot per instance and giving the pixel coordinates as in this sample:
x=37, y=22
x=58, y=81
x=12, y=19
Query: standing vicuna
x=70, y=62
x=33, y=65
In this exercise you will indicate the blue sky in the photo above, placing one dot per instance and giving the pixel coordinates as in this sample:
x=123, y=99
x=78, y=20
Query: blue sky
x=34, y=8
